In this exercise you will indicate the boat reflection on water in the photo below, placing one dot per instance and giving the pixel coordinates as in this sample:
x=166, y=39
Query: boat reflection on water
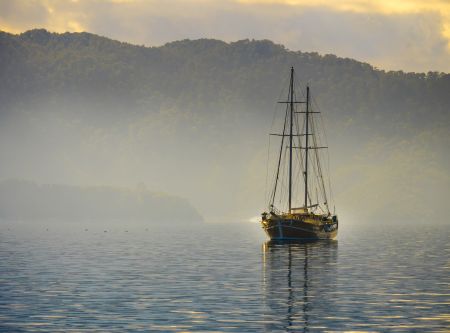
x=296, y=276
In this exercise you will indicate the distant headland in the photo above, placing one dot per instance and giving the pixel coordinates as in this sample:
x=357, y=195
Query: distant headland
x=27, y=201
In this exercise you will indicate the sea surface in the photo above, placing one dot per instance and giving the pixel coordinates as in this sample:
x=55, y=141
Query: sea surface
x=222, y=278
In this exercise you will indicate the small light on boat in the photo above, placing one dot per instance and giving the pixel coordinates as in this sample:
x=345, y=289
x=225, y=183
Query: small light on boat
x=254, y=219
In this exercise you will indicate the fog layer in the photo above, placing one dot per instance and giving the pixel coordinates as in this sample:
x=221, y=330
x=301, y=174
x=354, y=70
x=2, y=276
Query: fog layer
x=192, y=118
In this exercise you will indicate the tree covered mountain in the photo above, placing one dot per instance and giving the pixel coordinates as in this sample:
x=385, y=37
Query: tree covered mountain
x=192, y=117
x=202, y=75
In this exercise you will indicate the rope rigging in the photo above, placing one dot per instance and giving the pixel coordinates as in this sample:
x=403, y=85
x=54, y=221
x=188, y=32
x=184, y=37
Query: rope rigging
x=318, y=193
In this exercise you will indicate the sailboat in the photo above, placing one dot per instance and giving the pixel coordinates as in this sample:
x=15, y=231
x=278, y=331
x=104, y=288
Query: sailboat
x=299, y=216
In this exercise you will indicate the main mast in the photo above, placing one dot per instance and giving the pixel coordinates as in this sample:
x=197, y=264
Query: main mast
x=306, y=147
x=291, y=102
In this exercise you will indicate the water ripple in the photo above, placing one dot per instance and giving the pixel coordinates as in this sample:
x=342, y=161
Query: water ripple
x=208, y=279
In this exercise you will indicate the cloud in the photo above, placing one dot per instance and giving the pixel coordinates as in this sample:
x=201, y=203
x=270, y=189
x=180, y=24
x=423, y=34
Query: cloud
x=15, y=16
x=21, y=15
x=399, y=34
x=393, y=7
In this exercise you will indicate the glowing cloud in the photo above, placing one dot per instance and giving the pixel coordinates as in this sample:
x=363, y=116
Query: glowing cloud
x=442, y=7
x=411, y=35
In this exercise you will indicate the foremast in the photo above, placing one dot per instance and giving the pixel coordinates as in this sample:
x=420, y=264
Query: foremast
x=291, y=123
x=291, y=104
x=306, y=147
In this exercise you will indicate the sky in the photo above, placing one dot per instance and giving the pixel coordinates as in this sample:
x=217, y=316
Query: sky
x=409, y=35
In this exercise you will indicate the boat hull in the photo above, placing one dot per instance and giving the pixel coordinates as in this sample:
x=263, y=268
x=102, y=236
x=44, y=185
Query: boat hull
x=297, y=230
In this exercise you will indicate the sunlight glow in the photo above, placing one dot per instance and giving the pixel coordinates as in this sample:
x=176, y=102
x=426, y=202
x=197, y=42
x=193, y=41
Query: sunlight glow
x=392, y=7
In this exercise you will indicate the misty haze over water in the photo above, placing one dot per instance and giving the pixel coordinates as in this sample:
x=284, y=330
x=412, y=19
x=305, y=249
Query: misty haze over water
x=191, y=119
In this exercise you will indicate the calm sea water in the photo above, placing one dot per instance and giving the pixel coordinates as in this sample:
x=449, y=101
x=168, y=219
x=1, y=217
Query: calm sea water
x=222, y=279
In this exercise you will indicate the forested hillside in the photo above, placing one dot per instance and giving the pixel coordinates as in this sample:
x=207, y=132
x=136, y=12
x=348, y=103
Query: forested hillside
x=204, y=74
x=192, y=117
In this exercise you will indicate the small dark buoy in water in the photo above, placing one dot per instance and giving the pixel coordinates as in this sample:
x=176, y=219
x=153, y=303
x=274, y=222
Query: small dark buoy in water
x=105, y=230
x=85, y=230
